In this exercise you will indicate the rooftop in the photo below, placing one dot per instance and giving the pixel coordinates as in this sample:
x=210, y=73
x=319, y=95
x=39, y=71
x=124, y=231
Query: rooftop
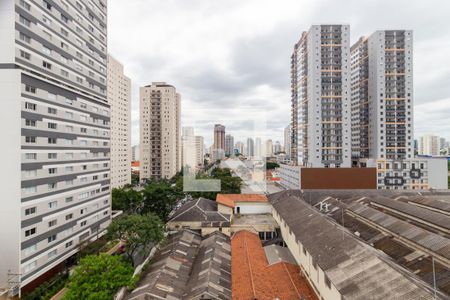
x=254, y=278
x=200, y=210
x=231, y=199
x=188, y=267
x=356, y=269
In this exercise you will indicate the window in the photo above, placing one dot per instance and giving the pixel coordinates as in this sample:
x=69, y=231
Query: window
x=30, y=266
x=69, y=155
x=30, y=106
x=30, y=211
x=69, y=199
x=46, y=20
x=52, y=125
x=69, y=128
x=51, y=110
x=47, y=5
x=68, y=115
x=52, y=186
x=29, y=173
x=25, y=55
x=52, y=204
x=30, y=249
x=83, y=223
x=30, y=139
x=69, y=169
x=83, y=130
x=79, y=80
x=64, y=72
x=69, y=101
x=51, y=238
x=52, y=140
x=30, y=231
x=30, y=156
x=52, y=253
x=52, y=171
x=31, y=123
x=68, y=244
x=69, y=182
x=24, y=21
x=51, y=96
x=69, y=216
x=52, y=156
x=64, y=46
x=30, y=89
x=25, y=38
x=25, y=5
x=52, y=223
x=82, y=211
x=64, y=32
x=47, y=65
x=64, y=18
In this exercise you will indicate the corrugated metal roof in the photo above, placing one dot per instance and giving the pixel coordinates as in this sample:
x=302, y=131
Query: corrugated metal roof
x=357, y=270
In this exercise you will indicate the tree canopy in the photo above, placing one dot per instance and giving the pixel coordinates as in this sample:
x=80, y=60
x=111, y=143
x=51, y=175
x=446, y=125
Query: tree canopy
x=138, y=232
x=127, y=199
x=99, y=277
x=160, y=198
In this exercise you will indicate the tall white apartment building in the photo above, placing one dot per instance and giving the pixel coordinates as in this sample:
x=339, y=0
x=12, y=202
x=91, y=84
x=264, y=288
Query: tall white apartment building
x=135, y=153
x=229, y=144
x=321, y=74
x=429, y=145
x=55, y=124
x=199, y=150
x=269, y=148
x=160, y=141
x=390, y=94
x=287, y=140
x=119, y=98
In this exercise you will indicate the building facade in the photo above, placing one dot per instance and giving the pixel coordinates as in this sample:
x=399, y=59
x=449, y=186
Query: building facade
x=250, y=148
x=199, y=150
x=119, y=98
x=390, y=94
x=322, y=96
x=135, y=153
x=219, y=137
x=287, y=141
x=160, y=146
x=56, y=162
x=429, y=145
x=229, y=144
x=269, y=148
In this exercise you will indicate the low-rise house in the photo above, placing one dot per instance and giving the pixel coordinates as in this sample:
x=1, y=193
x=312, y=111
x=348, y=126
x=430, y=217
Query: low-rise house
x=243, y=204
x=200, y=215
x=188, y=267
x=265, y=273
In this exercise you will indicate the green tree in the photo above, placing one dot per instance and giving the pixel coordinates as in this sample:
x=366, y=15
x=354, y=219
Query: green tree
x=271, y=165
x=160, y=198
x=98, y=277
x=127, y=200
x=138, y=232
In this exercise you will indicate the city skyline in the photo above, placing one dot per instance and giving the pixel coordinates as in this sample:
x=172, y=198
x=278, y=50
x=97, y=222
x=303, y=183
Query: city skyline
x=228, y=69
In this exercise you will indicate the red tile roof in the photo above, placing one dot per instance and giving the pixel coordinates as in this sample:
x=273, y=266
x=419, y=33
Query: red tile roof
x=253, y=278
x=230, y=199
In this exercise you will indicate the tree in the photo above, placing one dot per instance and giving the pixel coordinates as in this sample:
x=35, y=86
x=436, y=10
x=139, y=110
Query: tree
x=127, y=200
x=138, y=232
x=160, y=198
x=272, y=165
x=99, y=277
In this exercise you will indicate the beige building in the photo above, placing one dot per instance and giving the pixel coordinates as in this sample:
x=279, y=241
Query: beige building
x=199, y=150
x=219, y=136
x=429, y=145
x=159, y=131
x=119, y=97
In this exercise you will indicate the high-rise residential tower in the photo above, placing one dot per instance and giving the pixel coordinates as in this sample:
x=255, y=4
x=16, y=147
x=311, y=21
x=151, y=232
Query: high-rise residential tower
x=159, y=131
x=287, y=140
x=229, y=144
x=55, y=162
x=199, y=150
x=382, y=96
x=219, y=137
x=135, y=152
x=321, y=96
x=429, y=145
x=119, y=98
x=250, y=147
x=269, y=148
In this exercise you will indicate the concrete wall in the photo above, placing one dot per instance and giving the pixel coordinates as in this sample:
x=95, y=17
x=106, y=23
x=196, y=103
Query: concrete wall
x=223, y=209
x=438, y=173
x=10, y=173
x=246, y=208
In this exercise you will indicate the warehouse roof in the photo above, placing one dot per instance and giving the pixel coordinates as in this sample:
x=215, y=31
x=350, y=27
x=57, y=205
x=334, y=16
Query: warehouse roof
x=354, y=268
x=200, y=210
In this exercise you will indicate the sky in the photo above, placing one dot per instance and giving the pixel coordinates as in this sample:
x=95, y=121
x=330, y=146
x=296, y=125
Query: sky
x=230, y=59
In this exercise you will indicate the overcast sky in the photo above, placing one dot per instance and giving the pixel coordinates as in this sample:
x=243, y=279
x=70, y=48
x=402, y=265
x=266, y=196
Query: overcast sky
x=230, y=59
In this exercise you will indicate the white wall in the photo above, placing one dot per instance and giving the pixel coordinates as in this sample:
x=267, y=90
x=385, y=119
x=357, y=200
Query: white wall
x=253, y=208
x=438, y=173
x=10, y=173
x=7, y=32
